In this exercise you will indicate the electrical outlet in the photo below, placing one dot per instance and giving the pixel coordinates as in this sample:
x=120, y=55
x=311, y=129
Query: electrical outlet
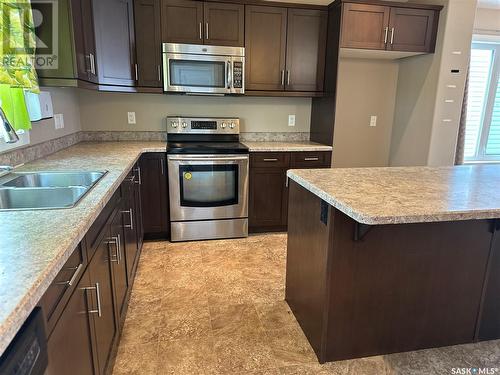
x=291, y=120
x=59, y=121
x=131, y=118
x=373, y=120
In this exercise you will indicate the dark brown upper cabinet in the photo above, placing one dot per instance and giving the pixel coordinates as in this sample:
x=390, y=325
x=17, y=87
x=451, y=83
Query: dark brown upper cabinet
x=84, y=40
x=148, y=42
x=305, y=51
x=285, y=48
x=196, y=22
x=224, y=24
x=365, y=26
x=115, y=42
x=402, y=27
x=412, y=30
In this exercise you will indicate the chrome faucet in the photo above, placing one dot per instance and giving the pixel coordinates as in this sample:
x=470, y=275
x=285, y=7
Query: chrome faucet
x=8, y=132
x=5, y=169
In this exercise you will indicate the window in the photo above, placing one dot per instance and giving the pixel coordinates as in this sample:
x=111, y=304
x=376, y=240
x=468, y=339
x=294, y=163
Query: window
x=482, y=129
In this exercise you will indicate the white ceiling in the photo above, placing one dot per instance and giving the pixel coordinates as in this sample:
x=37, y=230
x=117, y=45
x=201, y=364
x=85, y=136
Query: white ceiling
x=492, y=4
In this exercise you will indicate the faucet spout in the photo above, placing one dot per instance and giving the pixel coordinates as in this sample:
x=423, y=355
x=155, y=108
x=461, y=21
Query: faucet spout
x=8, y=132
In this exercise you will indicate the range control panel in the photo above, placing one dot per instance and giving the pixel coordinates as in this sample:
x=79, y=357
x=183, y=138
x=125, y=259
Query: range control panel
x=203, y=125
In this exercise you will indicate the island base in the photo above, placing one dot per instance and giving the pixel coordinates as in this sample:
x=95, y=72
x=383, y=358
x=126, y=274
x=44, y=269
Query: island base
x=359, y=290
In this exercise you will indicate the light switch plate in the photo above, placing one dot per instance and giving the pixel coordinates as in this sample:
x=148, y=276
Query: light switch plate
x=373, y=120
x=291, y=120
x=59, y=121
x=131, y=118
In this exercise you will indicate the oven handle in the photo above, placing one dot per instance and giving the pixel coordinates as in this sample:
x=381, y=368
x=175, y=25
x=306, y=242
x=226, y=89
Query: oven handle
x=207, y=158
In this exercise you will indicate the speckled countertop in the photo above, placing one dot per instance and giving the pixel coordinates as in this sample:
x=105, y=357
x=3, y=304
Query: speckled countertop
x=271, y=146
x=407, y=195
x=34, y=245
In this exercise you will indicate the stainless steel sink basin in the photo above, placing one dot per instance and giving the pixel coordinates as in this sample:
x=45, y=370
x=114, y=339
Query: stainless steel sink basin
x=40, y=198
x=53, y=179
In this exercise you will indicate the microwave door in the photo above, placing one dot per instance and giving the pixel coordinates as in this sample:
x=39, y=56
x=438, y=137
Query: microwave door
x=196, y=74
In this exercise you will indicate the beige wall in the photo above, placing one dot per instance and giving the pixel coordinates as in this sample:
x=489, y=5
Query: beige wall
x=365, y=88
x=108, y=111
x=65, y=101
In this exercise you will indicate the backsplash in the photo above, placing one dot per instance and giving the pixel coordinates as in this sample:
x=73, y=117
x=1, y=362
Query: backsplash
x=40, y=150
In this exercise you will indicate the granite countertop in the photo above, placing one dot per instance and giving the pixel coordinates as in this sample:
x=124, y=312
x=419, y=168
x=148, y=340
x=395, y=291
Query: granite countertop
x=34, y=245
x=407, y=194
x=271, y=146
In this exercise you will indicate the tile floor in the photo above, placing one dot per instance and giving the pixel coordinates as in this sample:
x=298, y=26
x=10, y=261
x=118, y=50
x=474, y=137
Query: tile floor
x=217, y=307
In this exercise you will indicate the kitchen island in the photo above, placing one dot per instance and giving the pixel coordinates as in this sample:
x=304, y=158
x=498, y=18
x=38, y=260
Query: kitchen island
x=384, y=260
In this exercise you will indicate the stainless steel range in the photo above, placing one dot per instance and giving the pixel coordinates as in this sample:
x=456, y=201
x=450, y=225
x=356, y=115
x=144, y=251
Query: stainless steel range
x=208, y=178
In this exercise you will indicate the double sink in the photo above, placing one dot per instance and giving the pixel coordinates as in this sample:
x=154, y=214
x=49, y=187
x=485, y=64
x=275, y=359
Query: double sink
x=45, y=190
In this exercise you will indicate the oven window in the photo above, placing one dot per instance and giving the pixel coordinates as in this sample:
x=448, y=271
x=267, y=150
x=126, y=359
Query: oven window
x=208, y=185
x=197, y=73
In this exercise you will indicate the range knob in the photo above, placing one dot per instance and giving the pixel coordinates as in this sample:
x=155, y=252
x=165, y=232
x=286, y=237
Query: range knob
x=174, y=124
x=223, y=126
x=232, y=125
x=184, y=124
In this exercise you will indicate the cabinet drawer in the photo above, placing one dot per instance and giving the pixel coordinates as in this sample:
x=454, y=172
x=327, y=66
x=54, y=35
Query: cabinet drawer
x=270, y=159
x=313, y=159
x=56, y=296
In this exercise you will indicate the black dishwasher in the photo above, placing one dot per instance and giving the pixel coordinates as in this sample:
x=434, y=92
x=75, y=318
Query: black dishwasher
x=27, y=353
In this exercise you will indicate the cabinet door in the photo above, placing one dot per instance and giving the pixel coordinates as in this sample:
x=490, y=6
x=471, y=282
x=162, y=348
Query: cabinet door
x=154, y=194
x=148, y=42
x=305, y=50
x=102, y=282
x=364, y=26
x=114, y=26
x=412, y=30
x=267, y=206
x=70, y=344
x=182, y=21
x=83, y=28
x=118, y=264
x=265, y=44
x=129, y=214
x=224, y=24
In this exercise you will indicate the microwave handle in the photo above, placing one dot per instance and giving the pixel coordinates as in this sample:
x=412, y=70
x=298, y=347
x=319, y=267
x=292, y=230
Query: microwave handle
x=229, y=74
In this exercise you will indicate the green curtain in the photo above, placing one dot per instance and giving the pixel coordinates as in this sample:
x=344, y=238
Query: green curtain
x=17, y=52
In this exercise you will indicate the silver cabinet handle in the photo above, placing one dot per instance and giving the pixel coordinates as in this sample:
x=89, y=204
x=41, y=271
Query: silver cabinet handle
x=311, y=159
x=98, y=311
x=392, y=35
x=385, y=35
x=270, y=159
x=116, y=259
x=287, y=77
x=206, y=29
x=119, y=242
x=136, y=72
x=282, y=77
x=92, y=63
x=201, y=35
x=138, y=170
x=158, y=68
x=131, y=217
x=71, y=281
x=162, y=166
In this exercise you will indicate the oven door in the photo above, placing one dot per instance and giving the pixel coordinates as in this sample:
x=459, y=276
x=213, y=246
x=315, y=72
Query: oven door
x=207, y=187
x=190, y=73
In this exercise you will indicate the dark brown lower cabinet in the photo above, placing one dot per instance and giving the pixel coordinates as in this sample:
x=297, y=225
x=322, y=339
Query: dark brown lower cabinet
x=130, y=224
x=101, y=288
x=154, y=195
x=117, y=260
x=268, y=200
x=70, y=344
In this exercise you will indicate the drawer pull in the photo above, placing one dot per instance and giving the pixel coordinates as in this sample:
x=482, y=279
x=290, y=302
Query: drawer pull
x=115, y=240
x=131, y=216
x=270, y=159
x=311, y=159
x=73, y=278
x=98, y=311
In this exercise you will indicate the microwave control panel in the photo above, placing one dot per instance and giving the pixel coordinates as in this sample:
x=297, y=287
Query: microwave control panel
x=237, y=74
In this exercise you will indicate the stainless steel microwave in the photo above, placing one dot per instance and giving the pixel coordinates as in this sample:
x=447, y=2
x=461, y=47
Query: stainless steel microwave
x=203, y=69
